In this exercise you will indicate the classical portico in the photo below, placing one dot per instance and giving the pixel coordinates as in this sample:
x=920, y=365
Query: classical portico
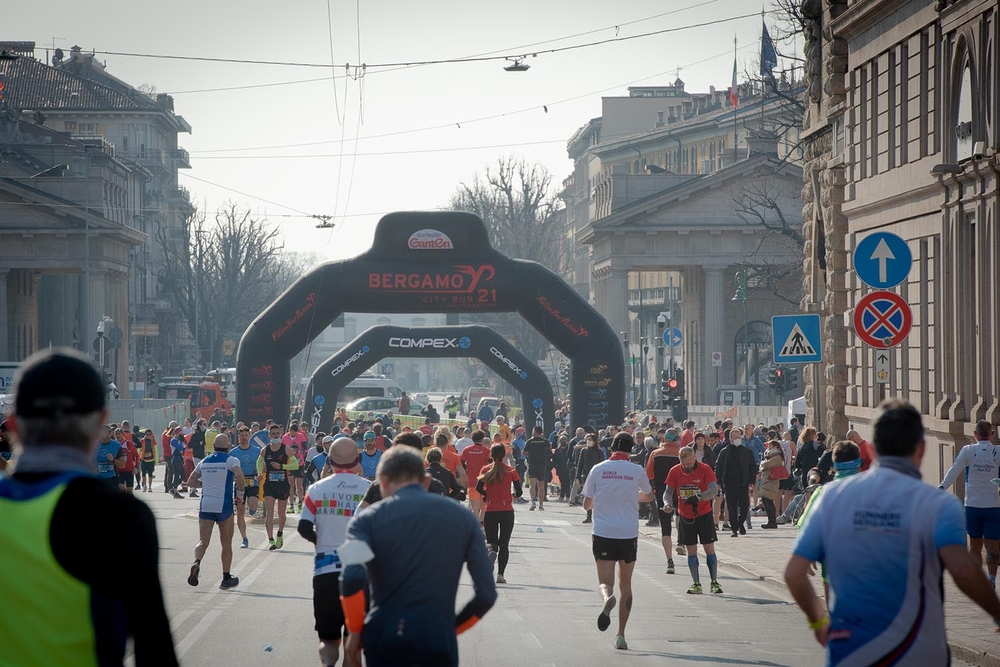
x=48, y=249
x=689, y=226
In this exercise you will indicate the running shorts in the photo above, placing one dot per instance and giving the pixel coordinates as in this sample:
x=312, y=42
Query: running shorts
x=217, y=517
x=983, y=522
x=296, y=473
x=666, y=523
x=248, y=492
x=607, y=548
x=327, y=609
x=698, y=531
x=277, y=490
x=127, y=478
x=148, y=467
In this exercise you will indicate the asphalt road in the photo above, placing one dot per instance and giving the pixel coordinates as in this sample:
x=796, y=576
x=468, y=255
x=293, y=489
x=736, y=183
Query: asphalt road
x=546, y=613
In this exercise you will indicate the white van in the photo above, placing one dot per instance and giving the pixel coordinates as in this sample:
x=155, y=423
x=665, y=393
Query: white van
x=369, y=385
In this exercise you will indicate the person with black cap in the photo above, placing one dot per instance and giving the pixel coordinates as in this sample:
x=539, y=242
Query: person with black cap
x=62, y=607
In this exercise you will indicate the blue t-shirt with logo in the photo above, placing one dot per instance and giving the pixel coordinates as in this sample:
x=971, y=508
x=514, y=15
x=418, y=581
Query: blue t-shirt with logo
x=879, y=533
x=248, y=461
x=105, y=468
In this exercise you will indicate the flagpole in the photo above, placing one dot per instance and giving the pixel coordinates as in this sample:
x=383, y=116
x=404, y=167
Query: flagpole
x=736, y=91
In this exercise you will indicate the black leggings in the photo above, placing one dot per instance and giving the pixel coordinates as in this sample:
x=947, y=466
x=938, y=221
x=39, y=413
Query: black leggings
x=499, y=526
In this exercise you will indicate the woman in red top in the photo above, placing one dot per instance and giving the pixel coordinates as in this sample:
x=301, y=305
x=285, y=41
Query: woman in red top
x=498, y=519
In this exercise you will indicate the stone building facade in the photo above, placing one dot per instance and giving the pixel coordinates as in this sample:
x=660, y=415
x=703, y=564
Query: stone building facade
x=903, y=137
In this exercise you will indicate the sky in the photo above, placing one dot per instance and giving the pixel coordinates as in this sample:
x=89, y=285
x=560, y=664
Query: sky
x=355, y=149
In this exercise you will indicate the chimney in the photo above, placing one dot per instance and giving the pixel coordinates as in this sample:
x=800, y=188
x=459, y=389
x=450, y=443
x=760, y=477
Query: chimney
x=659, y=119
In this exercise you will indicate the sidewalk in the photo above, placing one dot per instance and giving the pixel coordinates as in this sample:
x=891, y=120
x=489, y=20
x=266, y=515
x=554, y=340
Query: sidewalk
x=763, y=553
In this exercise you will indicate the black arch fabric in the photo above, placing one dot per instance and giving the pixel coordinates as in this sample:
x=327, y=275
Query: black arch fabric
x=432, y=263
x=384, y=341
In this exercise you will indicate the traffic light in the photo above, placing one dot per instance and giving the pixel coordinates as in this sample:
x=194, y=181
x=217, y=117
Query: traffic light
x=791, y=379
x=664, y=379
x=151, y=376
x=679, y=374
x=772, y=378
x=672, y=389
x=780, y=380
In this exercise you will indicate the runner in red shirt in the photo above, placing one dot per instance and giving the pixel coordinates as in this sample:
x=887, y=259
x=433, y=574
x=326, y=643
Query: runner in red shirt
x=168, y=472
x=126, y=473
x=868, y=455
x=695, y=485
x=474, y=457
x=494, y=484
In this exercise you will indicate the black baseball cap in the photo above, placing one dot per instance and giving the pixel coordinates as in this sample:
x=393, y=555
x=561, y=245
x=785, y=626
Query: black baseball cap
x=58, y=381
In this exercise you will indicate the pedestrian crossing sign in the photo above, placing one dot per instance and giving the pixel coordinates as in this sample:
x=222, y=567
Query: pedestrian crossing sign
x=795, y=339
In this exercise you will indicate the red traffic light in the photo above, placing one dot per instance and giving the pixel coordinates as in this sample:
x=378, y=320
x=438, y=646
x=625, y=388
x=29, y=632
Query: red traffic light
x=672, y=383
x=779, y=373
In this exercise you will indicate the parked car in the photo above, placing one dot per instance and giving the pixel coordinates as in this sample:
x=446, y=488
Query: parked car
x=381, y=404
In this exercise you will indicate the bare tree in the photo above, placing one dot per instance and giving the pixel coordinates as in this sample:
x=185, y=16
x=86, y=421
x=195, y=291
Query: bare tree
x=222, y=274
x=516, y=201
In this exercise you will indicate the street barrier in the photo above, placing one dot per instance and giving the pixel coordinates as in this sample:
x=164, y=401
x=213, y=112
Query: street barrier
x=152, y=413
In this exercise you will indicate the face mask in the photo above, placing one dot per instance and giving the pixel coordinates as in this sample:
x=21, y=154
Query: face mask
x=737, y=442
x=275, y=441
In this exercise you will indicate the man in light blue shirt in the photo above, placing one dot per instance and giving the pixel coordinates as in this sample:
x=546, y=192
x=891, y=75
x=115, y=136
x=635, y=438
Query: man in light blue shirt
x=886, y=538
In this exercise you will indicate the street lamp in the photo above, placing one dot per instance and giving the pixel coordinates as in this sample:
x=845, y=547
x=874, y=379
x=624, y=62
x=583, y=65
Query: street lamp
x=741, y=296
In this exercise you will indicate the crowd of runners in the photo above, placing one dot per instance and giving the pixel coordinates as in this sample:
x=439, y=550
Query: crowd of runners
x=448, y=494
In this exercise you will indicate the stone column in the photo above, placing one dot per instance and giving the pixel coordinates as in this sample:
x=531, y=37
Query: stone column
x=6, y=319
x=24, y=318
x=617, y=300
x=715, y=326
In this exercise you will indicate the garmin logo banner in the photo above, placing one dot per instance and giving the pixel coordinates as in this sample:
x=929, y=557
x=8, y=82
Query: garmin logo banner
x=354, y=357
x=508, y=363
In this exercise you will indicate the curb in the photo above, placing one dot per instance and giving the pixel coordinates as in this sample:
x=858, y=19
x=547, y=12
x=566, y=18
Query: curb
x=979, y=658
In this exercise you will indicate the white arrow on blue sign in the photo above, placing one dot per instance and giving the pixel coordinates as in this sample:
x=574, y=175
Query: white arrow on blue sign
x=882, y=260
x=672, y=337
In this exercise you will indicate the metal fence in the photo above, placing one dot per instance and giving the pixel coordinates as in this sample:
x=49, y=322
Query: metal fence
x=152, y=413
x=705, y=415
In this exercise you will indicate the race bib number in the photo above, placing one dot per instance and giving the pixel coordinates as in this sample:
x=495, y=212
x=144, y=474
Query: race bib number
x=105, y=467
x=687, y=492
x=276, y=477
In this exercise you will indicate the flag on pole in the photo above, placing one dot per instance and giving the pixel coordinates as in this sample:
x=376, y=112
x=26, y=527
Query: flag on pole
x=734, y=93
x=768, y=54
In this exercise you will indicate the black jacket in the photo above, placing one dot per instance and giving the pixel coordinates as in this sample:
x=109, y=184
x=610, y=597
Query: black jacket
x=736, y=466
x=589, y=457
x=807, y=458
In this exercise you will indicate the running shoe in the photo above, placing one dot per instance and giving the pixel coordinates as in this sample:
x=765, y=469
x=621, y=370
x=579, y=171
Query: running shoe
x=743, y=530
x=194, y=494
x=177, y=495
x=541, y=508
x=735, y=534
x=231, y=582
x=500, y=579
x=587, y=520
x=290, y=510
x=604, y=618
x=715, y=588
x=680, y=550
x=670, y=566
x=695, y=589
x=620, y=643
x=493, y=557
x=532, y=508
x=246, y=543
x=300, y=507
x=782, y=520
x=279, y=541
x=193, y=577
x=271, y=546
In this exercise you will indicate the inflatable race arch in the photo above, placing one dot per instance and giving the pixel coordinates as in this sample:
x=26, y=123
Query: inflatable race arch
x=435, y=262
x=480, y=342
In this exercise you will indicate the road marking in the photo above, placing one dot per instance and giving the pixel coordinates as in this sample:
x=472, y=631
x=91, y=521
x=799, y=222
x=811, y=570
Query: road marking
x=530, y=640
x=513, y=615
x=197, y=632
x=555, y=522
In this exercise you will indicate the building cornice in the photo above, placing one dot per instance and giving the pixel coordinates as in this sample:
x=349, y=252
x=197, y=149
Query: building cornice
x=862, y=15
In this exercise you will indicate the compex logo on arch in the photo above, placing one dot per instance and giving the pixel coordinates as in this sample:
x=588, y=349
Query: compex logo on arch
x=537, y=403
x=319, y=400
x=465, y=342
x=354, y=357
x=507, y=361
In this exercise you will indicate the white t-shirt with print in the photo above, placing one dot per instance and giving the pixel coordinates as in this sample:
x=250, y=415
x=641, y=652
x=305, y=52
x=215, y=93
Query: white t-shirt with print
x=615, y=486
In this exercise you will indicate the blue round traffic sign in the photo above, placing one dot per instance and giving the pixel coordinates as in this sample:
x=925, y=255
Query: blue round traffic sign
x=672, y=337
x=882, y=260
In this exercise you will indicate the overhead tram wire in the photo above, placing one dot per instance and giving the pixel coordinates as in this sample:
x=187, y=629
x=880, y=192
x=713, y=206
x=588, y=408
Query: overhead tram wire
x=442, y=61
x=442, y=126
x=484, y=53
